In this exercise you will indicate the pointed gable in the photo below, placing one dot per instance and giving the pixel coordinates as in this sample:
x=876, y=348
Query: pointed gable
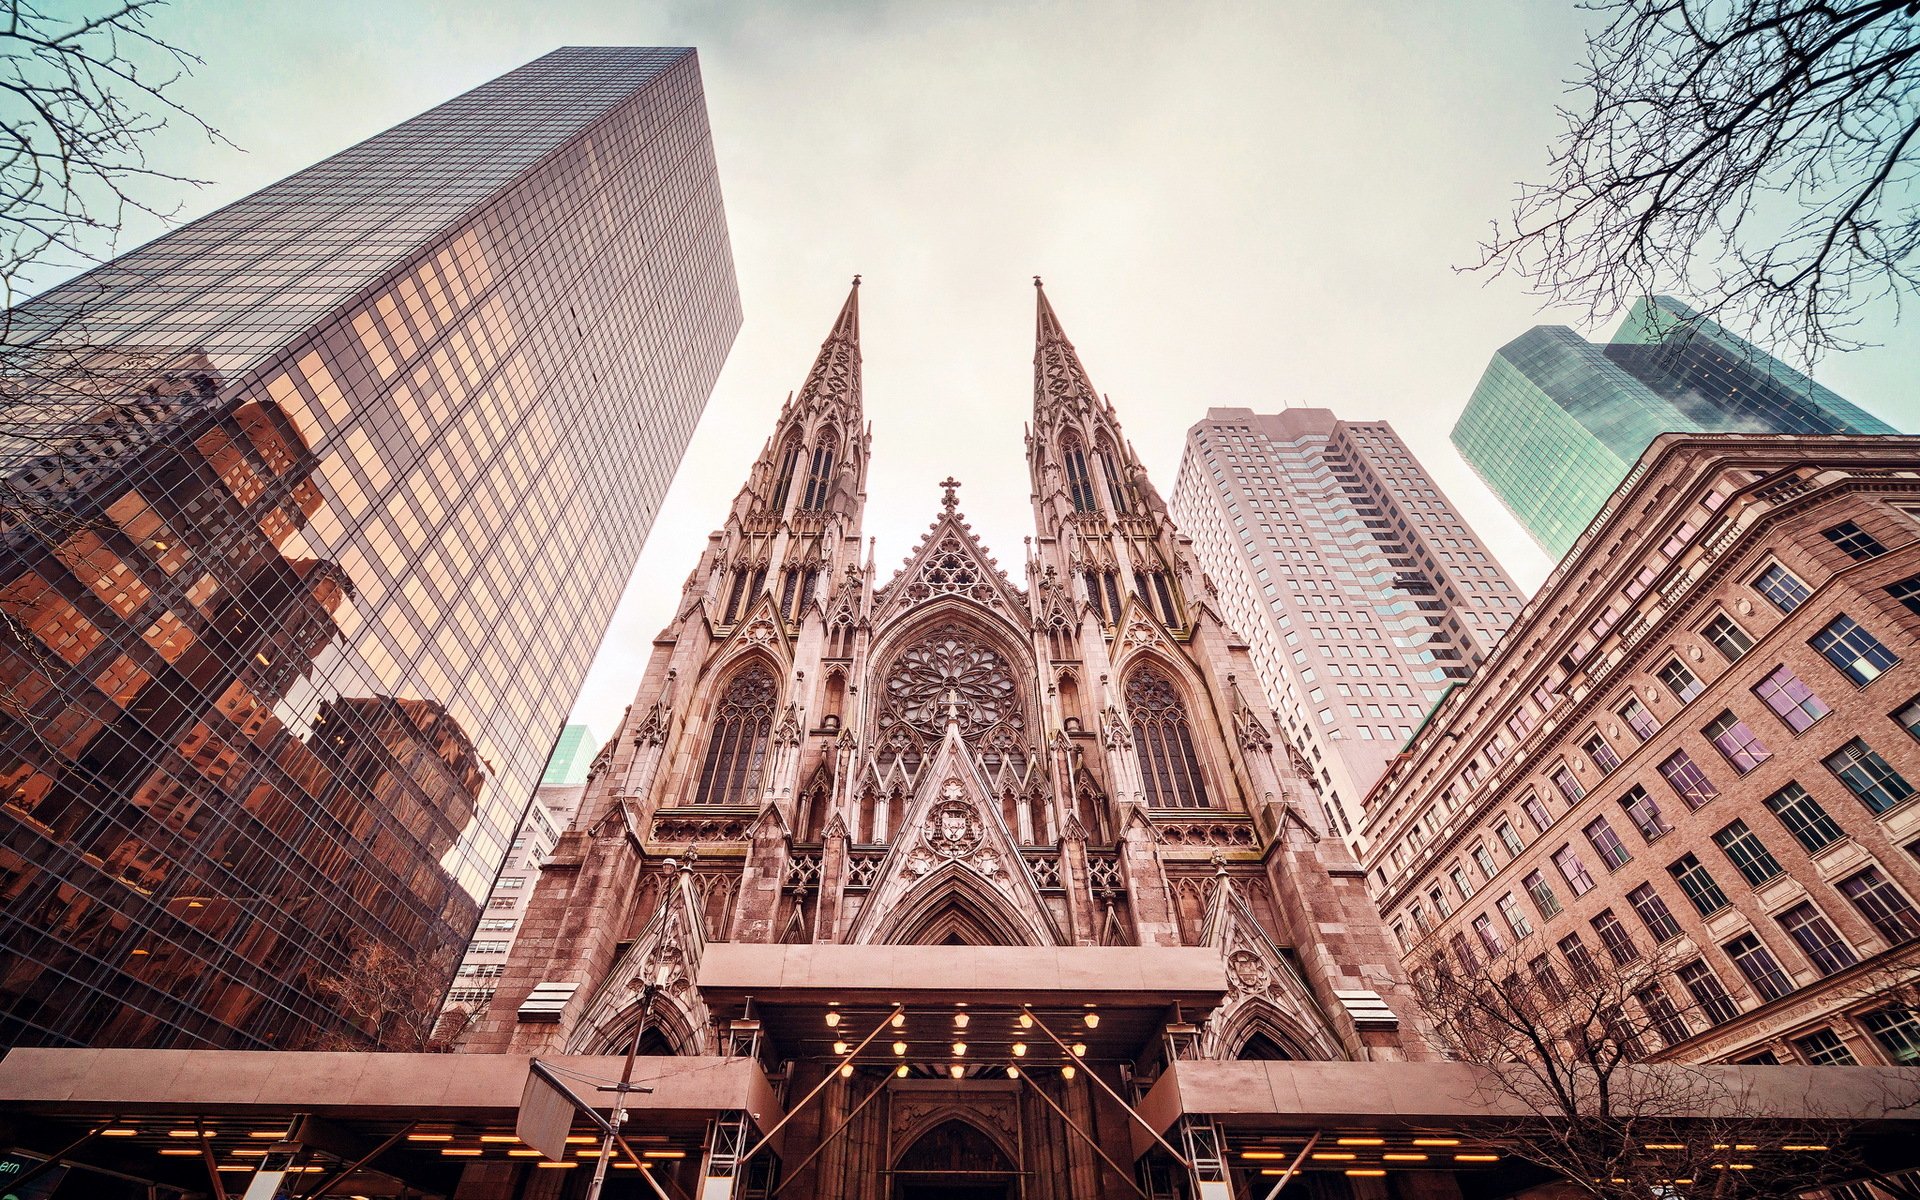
x=955, y=866
x=950, y=561
x=1265, y=991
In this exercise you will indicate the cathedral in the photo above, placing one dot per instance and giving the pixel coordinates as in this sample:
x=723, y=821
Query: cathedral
x=966, y=859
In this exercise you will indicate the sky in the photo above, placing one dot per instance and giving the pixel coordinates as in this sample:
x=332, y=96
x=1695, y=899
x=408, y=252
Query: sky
x=1255, y=205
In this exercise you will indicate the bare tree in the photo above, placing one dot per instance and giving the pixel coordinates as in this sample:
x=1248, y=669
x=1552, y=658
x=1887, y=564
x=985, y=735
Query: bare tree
x=1757, y=157
x=393, y=1001
x=1566, y=1038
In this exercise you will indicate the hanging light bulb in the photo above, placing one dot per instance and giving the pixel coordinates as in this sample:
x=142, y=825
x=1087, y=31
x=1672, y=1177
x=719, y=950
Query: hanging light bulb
x=1092, y=1019
x=900, y=1020
x=1067, y=1071
x=1019, y=1049
x=840, y=1048
x=846, y=1071
x=956, y=1070
x=1026, y=1021
x=899, y=1047
x=901, y=1070
x=1013, y=1072
x=1079, y=1049
x=959, y=1049
x=833, y=1019
x=960, y=1020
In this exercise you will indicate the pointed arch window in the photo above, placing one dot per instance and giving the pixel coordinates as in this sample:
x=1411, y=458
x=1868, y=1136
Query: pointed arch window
x=820, y=473
x=736, y=759
x=1079, y=483
x=1116, y=489
x=1163, y=739
x=783, y=481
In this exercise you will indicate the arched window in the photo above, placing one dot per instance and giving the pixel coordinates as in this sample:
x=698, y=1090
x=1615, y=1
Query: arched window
x=1079, y=484
x=783, y=482
x=820, y=474
x=737, y=749
x=1116, y=489
x=1164, y=742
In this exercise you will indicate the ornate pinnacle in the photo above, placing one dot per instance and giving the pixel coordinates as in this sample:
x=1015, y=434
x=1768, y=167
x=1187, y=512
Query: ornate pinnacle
x=951, y=498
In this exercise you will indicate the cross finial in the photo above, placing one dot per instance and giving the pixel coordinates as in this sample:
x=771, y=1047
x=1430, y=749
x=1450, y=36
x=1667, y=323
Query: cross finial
x=856, y=281
x=1036, y=281
x=951, y=498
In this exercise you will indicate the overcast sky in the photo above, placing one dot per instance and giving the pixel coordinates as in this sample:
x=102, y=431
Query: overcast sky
x=1256, y=205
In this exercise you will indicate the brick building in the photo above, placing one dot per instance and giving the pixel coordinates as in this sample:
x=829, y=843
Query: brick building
x=1698, y=742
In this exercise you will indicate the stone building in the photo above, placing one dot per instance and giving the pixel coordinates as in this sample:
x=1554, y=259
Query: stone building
x=1027, y=834
x=1695, y=748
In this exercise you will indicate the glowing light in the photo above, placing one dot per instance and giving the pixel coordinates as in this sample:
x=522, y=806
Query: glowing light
x=1092, y=1020
x=1019, y=1049
x=900, y=1020
x=429, y=1137
x=1372, y=1172
x=1262, y=1155
x=523, y=1154
x=274, y=1135
x=1013, y=1072
x=901, y=1070
x=846, y=1072
x=1789, y=1146
x=663, y=1154
x=581, y=1139
x=899, y=1047
x=1026, y=1021
x=840, y=1048
x=956, y=1070
x=1666, y=1145
x=460, y=1151
x=1436, y=1141
x=959, y=1049
x=833, y=1020
x=189, y=1133
x=557, y=1166
x=1358, y=1141
x=498, y=1137
x=1334, y=1155
x=960, y=1020
x=1403, y=1158
x=1079, y=1049
x=1067, y=1071
x=122, y=1132
x=1476, y=1158
x=179, y=1152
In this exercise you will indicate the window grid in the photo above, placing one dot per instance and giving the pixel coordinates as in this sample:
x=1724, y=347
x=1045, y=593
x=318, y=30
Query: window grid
x=1698, y=885
x=1817, y=938
x=1759, y=967
x=1790, y=699
x=1687, y=780
x=1747, y=853
x=1653, y=913
x=1780, y=586
x=1853, y=651
x=1804, y=818
x=1868, y=776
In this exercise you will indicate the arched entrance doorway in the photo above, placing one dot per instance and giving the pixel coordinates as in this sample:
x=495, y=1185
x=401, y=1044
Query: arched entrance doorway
x=953, y=1161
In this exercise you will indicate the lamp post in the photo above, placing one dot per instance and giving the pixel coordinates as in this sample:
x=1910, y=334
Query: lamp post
x=626, y=1085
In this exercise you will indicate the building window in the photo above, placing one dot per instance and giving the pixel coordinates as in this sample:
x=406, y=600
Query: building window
x=1483, y=858
x=1542, y=893
x=1639, y=720
x=1766, y=1058
x=1908, y=717
x=1681, y=682
x=1164, y=742
x=1823, y=1048
x=820, y=473
x=1694, y=880
x=504, y=902
x=1463, y=952
x=1546, y=978
x=1738, y=744
x=1644, y=813
x=1489, y=937
x=1710, y=996
x=1579, y=958
x=511, y=881
x=783, y=482
x=1727, y=637
x=1653, y=912
x=1536, y=812
x=1868, y=776
x=1607, y=844
x=1817, y=938
x=1688, y=781
x=1461, y=883
x=1853, y=651
x=1791, y=699
x=498, y=925
x=1804, y=818
x=1907, y=592
x=1747, y=853
x=1758, y=965
x=1601, y=754
x=1509, y=838
x=1882, y=904
x=1573, y=870
x=1439, y=901
x=1569, y=786
x=1666, y=1018
x=1853, y=541
x=1897, y=1031
x=1079, y=485
x=737, y=747
x=1516, y=920
x=1614, y=936
x=486, y=948
x=1778, y=584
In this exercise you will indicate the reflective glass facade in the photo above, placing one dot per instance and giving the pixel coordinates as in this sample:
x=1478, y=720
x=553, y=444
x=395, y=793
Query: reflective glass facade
x=1557, y=421
x=299, y=579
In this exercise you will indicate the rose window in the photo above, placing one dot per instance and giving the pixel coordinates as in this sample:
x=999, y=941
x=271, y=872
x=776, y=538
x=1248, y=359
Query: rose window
x=951, y=669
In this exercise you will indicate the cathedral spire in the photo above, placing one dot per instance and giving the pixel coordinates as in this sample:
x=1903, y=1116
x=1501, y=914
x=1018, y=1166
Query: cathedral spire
x=835, y=378
x=1058, y=377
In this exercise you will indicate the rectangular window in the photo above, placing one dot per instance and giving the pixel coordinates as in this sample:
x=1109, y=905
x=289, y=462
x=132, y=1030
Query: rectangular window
x=1579, y=958
x=1601, y=754
x=1727, y=637
x=1823, y=1048
x=1665, y=1017
x=1688, y=781
x=1639, y=720
x=1489, y=937
x=1908, y=717
x=1607, y=843
x=1516, y=920
x=1882, y=904
x=1542, y=893
x=1710, y=996
x=1614, y=936
x=1439, y=902
x=1573, y=870
x=1653, y=913
x=1778, y=584
x=1469, y=961
x=1739, y=745
x=1868, y=776
x=1817, y=938
x=1701, y=891
x=1804, y=818
x=1907, y=592
x=1644, y=813
x=1536, y=812
x=1461, y=883
x=1509, y=838
x=1898, y=1032
x=1853, y=541
x=1684, y=684
x=1790, y=699
x=1569, y=786
x=510, y=882
x=1853, y=651
x=1483, y=858
x=1760, y=968
x=1747, y=853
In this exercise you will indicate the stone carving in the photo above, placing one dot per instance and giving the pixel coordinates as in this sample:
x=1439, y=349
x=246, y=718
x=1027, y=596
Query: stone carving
x=950, y=570
x=952, y=827
x=951, y=674
x=1205, y=833
x=1114, y=730
x=671, y=826
x=760, y=632
x=1245, y=971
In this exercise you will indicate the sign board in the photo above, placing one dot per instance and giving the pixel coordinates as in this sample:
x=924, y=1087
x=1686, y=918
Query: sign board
x=545, y=1116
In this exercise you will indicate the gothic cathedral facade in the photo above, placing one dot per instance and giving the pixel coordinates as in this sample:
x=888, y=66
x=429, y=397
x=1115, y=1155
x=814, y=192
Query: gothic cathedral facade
x=1072, y=754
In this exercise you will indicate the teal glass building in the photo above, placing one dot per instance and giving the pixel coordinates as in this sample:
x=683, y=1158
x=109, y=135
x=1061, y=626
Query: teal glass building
x=1556, y=421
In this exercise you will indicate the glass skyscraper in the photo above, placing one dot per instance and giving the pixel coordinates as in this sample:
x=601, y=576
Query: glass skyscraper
x=1557, y=421
x=316, y=510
